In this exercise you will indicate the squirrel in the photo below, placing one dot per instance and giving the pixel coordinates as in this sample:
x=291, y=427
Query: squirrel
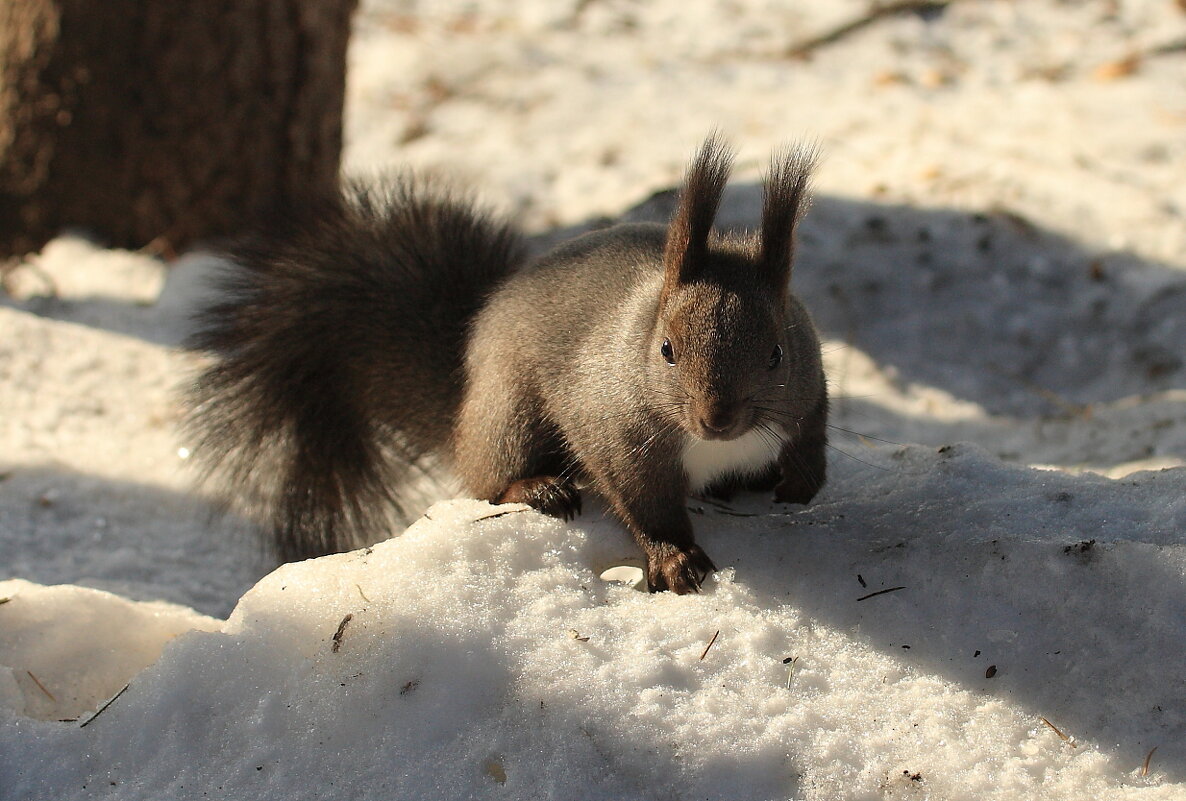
x=387, y=325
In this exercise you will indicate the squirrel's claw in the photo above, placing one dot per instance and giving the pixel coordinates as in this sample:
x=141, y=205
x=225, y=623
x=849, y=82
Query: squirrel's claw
x=681, y=571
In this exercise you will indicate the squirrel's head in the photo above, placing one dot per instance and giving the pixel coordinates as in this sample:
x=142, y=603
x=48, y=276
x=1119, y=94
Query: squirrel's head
x=731, y=343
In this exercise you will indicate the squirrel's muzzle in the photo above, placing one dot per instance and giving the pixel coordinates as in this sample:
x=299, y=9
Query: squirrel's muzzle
x=720, y=420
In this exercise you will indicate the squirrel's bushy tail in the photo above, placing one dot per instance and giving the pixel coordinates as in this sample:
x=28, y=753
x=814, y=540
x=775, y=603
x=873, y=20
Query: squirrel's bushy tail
x=337, y=340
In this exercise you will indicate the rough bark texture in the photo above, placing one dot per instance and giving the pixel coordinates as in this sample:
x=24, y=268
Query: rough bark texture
x=149, y=121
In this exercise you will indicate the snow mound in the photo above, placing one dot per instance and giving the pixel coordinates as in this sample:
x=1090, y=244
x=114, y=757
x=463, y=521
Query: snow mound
x=902, y=644
x=65, y=649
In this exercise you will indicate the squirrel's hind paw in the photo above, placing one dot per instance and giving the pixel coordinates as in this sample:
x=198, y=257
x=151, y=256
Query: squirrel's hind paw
x=551, y=495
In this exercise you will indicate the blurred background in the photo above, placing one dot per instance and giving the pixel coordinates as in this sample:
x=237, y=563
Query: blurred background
x=171, y=121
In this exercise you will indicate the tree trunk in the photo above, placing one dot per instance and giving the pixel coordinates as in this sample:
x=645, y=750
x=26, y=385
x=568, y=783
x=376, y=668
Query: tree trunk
x=164, y=122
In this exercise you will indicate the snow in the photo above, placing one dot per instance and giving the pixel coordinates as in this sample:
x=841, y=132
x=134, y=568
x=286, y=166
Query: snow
x=988, y=600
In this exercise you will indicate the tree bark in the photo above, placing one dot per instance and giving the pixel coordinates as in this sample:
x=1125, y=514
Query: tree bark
x=164, y=122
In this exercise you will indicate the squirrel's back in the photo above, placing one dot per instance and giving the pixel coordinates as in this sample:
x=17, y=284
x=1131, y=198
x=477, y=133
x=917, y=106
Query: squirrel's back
x=585, y=288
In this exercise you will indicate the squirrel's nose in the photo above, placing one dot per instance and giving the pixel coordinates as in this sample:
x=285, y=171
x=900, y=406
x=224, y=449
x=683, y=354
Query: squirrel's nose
x=716, y=424
x=719, y=420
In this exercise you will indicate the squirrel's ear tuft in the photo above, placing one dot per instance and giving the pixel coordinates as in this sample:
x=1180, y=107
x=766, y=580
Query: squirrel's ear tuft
x=785, y=200
x=699, y=198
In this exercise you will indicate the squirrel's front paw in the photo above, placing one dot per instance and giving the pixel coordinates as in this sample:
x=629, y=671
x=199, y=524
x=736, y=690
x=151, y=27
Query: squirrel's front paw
x=679, y=569
x=551, y=495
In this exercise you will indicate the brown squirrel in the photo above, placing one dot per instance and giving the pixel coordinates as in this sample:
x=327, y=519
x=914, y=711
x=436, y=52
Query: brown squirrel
x=381, y=327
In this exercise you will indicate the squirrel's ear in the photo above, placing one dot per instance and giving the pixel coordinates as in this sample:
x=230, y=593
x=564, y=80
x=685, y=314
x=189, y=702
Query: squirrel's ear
x=785, y=199
x=699, y=198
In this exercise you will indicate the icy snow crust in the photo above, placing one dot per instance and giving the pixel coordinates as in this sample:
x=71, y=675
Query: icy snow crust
x=988, y=600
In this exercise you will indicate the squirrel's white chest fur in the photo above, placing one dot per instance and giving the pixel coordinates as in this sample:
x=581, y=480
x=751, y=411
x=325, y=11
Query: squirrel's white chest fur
x=706, y=460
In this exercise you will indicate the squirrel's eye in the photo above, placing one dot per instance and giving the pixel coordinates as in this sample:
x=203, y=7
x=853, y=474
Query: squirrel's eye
x=776, y=357
x=668, y=352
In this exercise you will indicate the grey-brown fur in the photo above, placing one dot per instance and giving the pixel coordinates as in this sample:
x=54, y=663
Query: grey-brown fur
x=563, y=379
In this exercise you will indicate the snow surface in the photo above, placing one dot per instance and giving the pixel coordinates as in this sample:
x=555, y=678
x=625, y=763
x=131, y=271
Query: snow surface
x=997, y=261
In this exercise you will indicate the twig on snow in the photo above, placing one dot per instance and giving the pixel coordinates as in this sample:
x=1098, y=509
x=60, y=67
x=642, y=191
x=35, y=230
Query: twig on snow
x=503, y=513
x=877, y=12
x=880, y=592
x=1148, y=758
x=41, y=686
x=704, y=653
x=1059, y=732
x=337, y=643
x=91, y=719
x=791, y=661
